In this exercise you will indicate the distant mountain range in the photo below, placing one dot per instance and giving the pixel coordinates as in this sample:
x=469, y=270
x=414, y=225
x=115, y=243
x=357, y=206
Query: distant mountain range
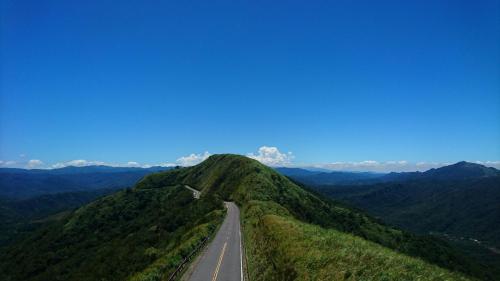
x=459, y=201
x=27, y=197
x=23, y=184
x=83, y=170
x=459, y=171
x=311, y=177
x=289, y=231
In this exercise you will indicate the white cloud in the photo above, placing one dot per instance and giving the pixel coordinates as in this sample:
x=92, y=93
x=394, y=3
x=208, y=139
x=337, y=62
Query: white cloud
x=9, y=164
x=132, y=164
x=34, y=163
x=192, y=159
x=371, y=166
x=77, y=163
x=83, y=163
x=367, y=163
x=167, y=164
x=271, y=156
x=494, y=164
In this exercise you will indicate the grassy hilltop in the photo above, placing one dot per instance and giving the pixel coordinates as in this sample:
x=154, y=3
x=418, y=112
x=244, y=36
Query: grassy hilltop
x=290, y=233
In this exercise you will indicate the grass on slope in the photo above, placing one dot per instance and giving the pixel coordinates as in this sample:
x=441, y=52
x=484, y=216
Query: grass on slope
x=139, y=234
x=286, y=249
x=244, y=180
x=460, y=208
x=458, y=211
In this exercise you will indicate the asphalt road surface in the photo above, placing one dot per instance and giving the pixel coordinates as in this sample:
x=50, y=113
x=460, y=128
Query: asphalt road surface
x=222, y=260
x=196, y=193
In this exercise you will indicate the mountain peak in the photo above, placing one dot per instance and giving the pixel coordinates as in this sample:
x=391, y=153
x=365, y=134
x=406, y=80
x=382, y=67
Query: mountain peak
x=462, y=170
x=466, y=164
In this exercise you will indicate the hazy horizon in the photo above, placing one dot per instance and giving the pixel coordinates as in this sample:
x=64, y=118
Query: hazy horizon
x=270, y=156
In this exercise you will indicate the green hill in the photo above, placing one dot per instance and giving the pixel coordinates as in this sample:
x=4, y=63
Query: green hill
x=466, y=211
x=262, y=193
x=18, y=217
x=290, y=233
x=133, y=234
x=467, y=208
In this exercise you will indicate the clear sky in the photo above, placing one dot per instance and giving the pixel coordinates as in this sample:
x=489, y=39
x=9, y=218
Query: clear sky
x=328, y=81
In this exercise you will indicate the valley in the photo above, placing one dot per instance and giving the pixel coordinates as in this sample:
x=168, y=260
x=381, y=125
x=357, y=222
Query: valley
x=290, y=232
x=457, y=203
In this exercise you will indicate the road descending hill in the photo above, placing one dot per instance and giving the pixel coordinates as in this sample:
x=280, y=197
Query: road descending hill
x=223, y=259
x=138, y=234
x=269, y=201
x=290, y=233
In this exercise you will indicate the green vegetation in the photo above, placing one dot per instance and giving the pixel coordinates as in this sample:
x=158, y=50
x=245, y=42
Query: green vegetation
x=247, y=182
x=460, y=208
x=287, y=249
x=465, y=212
x=21, y=217
x=138, y=234
x=290, y=233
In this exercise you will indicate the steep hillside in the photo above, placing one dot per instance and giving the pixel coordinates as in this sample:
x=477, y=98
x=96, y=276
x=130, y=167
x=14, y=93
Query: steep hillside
x=290, y=233
x=255, y=186
x=19, y=217
x=284, y=248
x=464, y=210
x=470, y=208
x=139, y=234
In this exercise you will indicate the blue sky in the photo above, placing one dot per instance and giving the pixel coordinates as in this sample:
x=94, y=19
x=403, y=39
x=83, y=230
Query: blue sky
x=328, y=81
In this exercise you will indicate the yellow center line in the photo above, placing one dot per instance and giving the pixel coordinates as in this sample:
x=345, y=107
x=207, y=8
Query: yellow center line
x=216, y=272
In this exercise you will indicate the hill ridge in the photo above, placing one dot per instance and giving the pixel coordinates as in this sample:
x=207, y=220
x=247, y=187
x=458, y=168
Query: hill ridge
x=269, y=202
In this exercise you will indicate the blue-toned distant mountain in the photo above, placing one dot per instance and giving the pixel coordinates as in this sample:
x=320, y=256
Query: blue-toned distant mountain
x=459, y=171
x=462, y=199
x=311, y=177
x=23, y=184
x=296, y=172
x=459, y=201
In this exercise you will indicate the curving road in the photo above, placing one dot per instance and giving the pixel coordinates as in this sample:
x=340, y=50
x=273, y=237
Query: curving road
x=222, y=261
x=196, y=193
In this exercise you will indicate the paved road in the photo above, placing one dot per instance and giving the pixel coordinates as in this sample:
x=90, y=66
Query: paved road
x=222, y=260
x=196, y=193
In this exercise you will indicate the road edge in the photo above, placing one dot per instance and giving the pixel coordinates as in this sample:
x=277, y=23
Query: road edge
x=186, y=273
x=243, y=252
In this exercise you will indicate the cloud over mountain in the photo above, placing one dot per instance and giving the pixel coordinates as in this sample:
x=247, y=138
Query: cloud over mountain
x=271, y=156
x=34, y=163
x=193, y=159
